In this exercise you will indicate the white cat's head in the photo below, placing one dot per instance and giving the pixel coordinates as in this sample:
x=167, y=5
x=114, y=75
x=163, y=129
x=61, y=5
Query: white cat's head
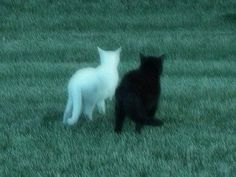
x=111, y=58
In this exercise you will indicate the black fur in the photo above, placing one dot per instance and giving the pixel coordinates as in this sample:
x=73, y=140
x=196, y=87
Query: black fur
x=138, y=93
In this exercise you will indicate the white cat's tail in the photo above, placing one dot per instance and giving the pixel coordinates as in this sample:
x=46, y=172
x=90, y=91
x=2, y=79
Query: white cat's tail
x=73, y=107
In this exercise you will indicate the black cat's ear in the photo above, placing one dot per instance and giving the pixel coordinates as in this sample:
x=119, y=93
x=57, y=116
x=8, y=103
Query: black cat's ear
x=162, y=57
x=142, y=57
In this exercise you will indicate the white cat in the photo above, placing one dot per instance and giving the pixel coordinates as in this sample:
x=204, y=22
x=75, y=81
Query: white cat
x=91, y=86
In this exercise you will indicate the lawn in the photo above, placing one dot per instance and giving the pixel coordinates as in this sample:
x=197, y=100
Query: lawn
x=43, y=42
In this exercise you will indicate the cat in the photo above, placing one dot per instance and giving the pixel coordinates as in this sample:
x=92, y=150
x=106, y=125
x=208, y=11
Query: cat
x=89, y=87
x=138, y=93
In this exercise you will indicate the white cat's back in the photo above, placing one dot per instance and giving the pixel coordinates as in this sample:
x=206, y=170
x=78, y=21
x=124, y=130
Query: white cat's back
x=84, y=78
x=108, y=79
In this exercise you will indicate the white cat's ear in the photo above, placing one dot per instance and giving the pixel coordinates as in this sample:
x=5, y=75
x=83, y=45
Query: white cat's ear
x=119, y=50
x=100, y=51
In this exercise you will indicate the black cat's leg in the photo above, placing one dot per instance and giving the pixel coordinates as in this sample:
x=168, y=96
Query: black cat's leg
x=153, y=122
x=135, y=110
x=119, y=116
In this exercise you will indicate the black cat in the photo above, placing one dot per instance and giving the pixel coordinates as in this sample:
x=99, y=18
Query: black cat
x=138, y=93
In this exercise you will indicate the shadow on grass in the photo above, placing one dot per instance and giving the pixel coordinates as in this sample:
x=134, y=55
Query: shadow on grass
x=171, y=122
x=52, y=118
x=230, y=17
x=5, y=141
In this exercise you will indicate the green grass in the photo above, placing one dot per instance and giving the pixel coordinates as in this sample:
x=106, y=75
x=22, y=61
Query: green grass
x=42, y=43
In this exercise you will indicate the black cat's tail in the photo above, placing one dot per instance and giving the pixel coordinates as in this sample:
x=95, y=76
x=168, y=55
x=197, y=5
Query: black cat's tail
x=135, y=110
x=142, y=118
x=152, y=122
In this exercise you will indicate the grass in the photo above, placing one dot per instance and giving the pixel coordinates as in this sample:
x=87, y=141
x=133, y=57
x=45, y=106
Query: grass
x=42, y=43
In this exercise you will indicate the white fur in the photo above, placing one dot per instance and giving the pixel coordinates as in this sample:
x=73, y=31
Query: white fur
x=89, y=87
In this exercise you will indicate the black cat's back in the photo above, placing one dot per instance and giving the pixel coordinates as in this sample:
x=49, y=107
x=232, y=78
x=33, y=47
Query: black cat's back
x=131, y=82
x=135, y=83
x=137, y=95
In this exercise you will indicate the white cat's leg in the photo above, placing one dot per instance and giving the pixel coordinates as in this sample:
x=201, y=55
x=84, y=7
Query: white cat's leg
x=77, y=106
x=101, y=107
x=68, y=110
x=88, y=109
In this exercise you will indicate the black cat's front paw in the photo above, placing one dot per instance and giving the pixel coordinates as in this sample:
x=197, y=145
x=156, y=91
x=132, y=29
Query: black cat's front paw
x=138, y=128
x=159, y=122
x=154, y=122
x=118, y=130
x=138, y=131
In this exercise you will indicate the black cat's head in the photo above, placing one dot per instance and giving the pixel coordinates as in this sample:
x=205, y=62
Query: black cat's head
x=152, y=63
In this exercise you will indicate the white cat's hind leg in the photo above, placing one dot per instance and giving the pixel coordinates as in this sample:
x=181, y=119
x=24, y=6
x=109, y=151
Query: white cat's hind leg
x=77, y=106
x=88, y=109
x=101, y=107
